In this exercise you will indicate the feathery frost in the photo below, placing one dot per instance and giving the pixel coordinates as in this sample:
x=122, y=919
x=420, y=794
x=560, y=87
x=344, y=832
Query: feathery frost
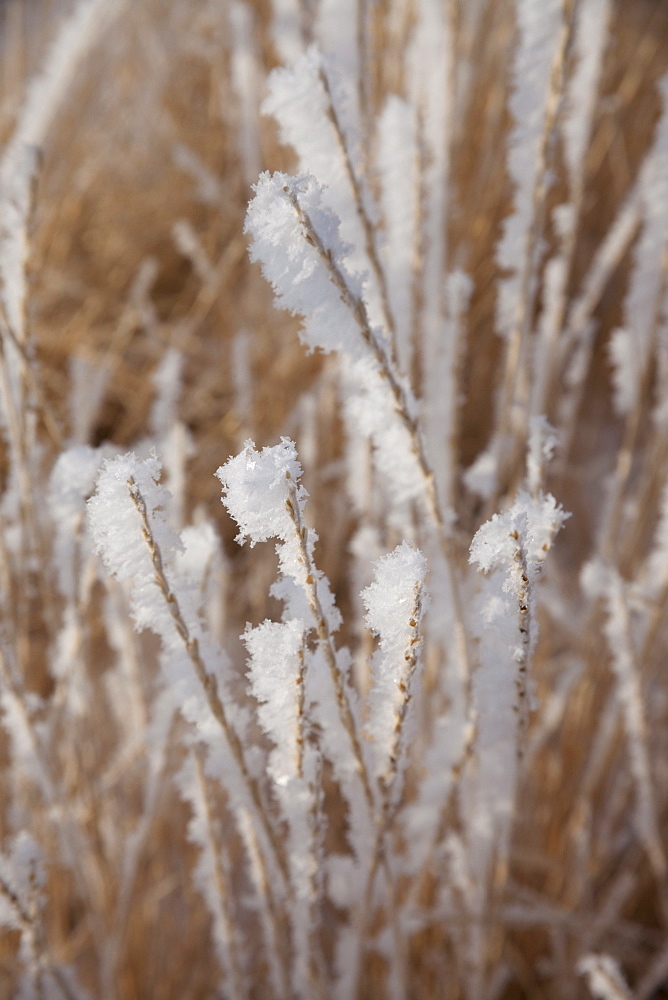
x=604, y=977
x=394, y=604
x=274, y=670
x=295, y=236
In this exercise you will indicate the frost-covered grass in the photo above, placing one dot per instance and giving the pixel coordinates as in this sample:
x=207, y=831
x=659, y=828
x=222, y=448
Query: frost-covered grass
x=390, y=720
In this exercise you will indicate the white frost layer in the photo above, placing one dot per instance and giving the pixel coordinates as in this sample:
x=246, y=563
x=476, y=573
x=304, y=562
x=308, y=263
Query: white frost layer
x=276, y=651
x=296, y=268
x=539, y=24
x=371, y=411
x=261, y=491
x=256, y=486
x=398, y=164
x=302, y=99
x=510, y=550
x=536, y=521
x=631, y=347
x=71, y=482
x=591, y=35
x=604, y=977
x=394, y=606
x=21, y=870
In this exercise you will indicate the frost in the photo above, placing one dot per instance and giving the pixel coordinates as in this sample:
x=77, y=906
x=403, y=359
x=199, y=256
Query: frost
x=510, y=550
x=21, y=870
x=72, y=482
x=395, y=605
x=167, y=380
x=308, y=265
x=313, y=110
x=294, y=236
x=256, y=486
x=399, y=160
x=590, y=38
x=626, y=369
x=543, y=440
x=246, y=81
x=89, y=384
x=535, y=521
x=139, y=548
x=390, y=598
x=116, y=528
x=274, y=670
x=604, y=977
x=480, y=478
x=262, y=492
x=632, y=348
x=372, y=411
x=538, y=22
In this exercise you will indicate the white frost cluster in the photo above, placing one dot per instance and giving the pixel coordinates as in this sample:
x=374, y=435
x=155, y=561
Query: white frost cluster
x=631, y=347
x=302, y=99
x=316, y=282
x=510, y=550
x=22, y=873
x=295, y=267
x=116, y=525
x=604, y=977
x=256, y=486
x=71, y=483
x=211, y=861
x=539, y=23
x=261, y=491
x=167, y=606
x=371, y=411
x=273, y=671
x=535, y=522
x=394, y=606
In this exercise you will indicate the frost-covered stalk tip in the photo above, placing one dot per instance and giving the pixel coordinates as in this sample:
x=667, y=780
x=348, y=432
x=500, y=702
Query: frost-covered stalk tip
x=262, y=492
x=510, y=550
x=308, y=265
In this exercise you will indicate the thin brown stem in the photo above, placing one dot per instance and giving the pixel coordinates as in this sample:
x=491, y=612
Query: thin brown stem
x=577, y=345
x=32, y=931
x=390, y=808
x=207, y=681
x=514, y=385
x=327, y=643
x=47, y=414
x=391, y=375
x=525, y=627
x=301, y=697
x=222, y=887
x=345, y=711
x=632, y=427
x=367, y=226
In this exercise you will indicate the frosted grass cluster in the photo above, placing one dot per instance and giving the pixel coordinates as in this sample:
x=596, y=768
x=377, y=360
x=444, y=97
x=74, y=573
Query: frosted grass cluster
x=409, y=742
